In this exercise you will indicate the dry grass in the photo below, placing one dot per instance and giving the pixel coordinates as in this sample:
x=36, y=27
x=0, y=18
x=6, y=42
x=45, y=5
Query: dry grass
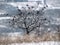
x=27, y=38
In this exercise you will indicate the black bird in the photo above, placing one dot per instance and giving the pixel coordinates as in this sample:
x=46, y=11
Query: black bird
x=7, y=14
x=32, y=6
x=19, y=10
x=27, y=5
x=37, y=12
x=45, y=19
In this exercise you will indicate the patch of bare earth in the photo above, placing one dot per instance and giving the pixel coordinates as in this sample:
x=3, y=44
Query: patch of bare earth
x=28, y=38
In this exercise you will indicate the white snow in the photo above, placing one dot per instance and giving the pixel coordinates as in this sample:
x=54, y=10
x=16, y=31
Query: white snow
x=1, y=18
x=2, y=12
x=23, y=4
x=8, y=9
x=40, y=43
x=12, y=10
x=3, y=26
x=14, y=34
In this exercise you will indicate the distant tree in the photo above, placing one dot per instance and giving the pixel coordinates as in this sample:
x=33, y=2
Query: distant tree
x=27, y=21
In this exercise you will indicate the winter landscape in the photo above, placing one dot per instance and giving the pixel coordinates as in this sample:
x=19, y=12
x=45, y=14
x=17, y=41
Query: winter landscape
x=29, y=22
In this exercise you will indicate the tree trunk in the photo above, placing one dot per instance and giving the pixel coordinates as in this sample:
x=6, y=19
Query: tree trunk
x=27, y=32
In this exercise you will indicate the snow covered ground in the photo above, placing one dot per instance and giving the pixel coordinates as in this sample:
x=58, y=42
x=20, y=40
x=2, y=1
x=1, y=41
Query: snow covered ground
x=51, y=13
x=40, y=43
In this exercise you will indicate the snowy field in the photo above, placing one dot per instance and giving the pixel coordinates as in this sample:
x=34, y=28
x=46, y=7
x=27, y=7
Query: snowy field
x=12, y=9
x=51, y=13
x=8, y=10
x=40, y=43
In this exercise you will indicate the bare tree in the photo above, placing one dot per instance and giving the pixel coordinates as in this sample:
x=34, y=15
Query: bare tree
x=27, y=20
